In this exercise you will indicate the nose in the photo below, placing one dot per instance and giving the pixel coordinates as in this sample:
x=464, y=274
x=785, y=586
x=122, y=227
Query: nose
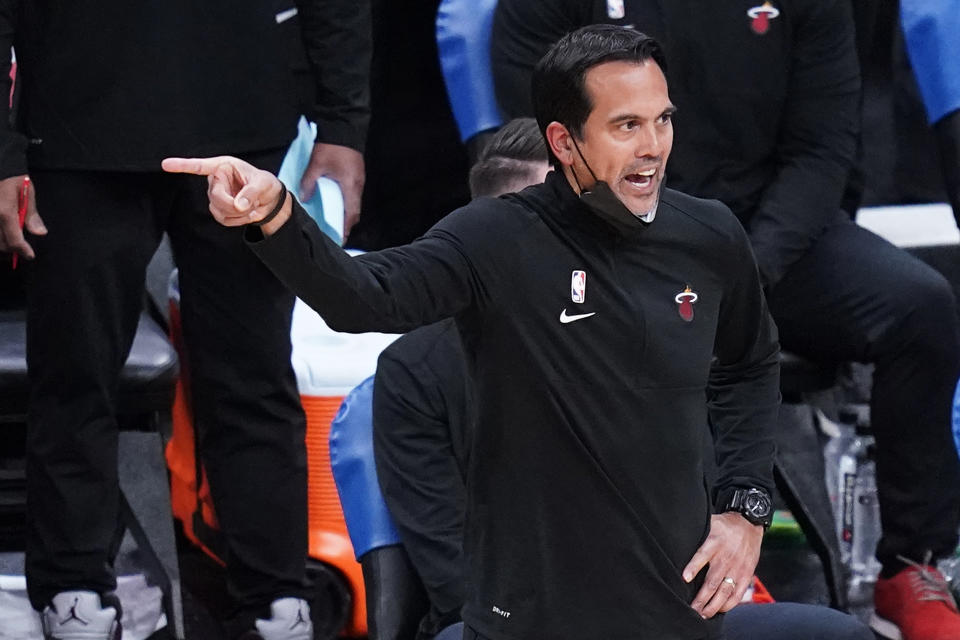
x=650, y=142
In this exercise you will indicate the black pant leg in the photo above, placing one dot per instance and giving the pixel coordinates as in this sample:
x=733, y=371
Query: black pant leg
x=856, y=297
x=236, y=326
x=791, y=621
x=469, y=633
x=84, y=298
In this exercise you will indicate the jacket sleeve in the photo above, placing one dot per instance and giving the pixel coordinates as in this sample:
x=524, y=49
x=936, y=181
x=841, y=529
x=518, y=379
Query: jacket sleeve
x=13, y=144
x=419, y=474
x=338, y=38
x=817, y=143
x=743, y=395
x=393, y=290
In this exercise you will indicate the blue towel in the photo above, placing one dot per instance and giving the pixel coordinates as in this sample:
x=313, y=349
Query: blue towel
x=326, y=205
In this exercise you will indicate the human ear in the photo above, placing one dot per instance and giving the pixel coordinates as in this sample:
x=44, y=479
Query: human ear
x=561, y=143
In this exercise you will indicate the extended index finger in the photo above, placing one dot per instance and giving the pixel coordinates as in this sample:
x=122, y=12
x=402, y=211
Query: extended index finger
x=197, y=166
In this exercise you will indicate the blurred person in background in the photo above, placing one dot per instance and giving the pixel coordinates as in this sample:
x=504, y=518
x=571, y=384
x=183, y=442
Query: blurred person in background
x=105, y=91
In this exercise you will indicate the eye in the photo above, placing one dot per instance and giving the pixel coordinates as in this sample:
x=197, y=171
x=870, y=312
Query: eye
x=665, y=118
x=629, y=125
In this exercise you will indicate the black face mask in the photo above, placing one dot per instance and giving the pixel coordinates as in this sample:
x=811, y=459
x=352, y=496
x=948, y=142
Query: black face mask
x=603, y=201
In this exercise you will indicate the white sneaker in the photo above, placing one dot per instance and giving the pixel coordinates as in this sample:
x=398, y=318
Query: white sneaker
x=79, y=615
x=290, y=620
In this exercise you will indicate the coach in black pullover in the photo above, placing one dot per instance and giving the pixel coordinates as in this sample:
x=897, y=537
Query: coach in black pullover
x=601, y=348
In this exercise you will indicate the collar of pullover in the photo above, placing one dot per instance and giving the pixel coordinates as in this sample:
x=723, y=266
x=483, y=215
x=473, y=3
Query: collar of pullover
x=572, y=210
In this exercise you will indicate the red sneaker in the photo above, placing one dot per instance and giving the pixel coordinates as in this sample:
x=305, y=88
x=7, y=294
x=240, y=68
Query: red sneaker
x=915, y=604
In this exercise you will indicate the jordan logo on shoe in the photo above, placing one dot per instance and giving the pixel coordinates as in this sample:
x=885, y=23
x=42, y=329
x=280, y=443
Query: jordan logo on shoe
x=300, y=619
x=73, y=615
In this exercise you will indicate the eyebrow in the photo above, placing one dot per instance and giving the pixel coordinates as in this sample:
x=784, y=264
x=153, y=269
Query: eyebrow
x=623, y=117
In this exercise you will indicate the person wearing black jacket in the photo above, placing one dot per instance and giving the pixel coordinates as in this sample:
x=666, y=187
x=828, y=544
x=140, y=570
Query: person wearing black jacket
x=767, y=122
x=423, y=417
x=106, y=90
x=422, y=423
x=605, y=322
x=423, y=410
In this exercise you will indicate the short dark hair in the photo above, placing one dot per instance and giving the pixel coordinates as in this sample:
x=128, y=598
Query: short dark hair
x=559, y=80
x=507, y=158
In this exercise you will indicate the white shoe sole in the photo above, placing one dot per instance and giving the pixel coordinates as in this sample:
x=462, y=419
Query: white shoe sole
x=885, y=628
x=115, y=633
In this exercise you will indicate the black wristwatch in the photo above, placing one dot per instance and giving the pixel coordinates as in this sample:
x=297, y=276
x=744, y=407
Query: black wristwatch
x=753, y=504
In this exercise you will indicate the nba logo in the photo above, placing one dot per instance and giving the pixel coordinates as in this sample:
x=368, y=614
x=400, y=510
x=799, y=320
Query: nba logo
x=578, y=286
x=615, y=10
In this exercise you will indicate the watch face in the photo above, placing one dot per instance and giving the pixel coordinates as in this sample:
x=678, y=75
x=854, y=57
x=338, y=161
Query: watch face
x=757, y=503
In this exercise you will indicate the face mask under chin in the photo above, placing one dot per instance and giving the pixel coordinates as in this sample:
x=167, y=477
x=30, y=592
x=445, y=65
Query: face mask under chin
x=603, y=201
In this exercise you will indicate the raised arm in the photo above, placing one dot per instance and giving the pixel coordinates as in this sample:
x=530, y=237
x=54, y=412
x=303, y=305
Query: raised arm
x=392, y=290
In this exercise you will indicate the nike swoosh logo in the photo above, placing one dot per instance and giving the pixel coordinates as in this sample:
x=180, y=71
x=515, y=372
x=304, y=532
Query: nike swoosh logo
x=565, y=319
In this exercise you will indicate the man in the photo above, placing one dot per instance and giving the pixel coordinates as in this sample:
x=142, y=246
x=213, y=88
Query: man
x=587, y=513
x=106, y=90
x=513, y=158
x=768, y=97
x=423, y=420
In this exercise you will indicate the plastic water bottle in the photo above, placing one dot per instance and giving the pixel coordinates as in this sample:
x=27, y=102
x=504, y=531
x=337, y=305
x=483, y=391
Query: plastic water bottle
x=841, y=435
x=864, y=566
x=846, y=478
x=840, y=462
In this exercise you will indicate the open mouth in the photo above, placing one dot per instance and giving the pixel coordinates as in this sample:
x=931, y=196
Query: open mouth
x=642, y=179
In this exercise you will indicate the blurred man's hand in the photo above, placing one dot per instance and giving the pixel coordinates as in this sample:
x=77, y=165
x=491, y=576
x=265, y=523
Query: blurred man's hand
x=11, y=235
x=343, y=164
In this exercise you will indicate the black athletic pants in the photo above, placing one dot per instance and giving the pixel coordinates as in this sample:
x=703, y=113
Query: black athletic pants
x=781, y=620
x=856, y=297
x=84, y=299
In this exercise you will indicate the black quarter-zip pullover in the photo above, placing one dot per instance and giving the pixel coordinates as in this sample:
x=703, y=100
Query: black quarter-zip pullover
x=595, y=384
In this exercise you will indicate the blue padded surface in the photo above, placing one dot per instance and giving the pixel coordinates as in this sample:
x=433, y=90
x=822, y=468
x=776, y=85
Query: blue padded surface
x=351, y=456
x=463, y=42
x=931, y=31
x=956, y=418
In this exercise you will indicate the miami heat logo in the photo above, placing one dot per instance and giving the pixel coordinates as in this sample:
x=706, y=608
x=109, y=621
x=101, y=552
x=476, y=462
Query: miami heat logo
x=761, y=16
x=685, y=301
